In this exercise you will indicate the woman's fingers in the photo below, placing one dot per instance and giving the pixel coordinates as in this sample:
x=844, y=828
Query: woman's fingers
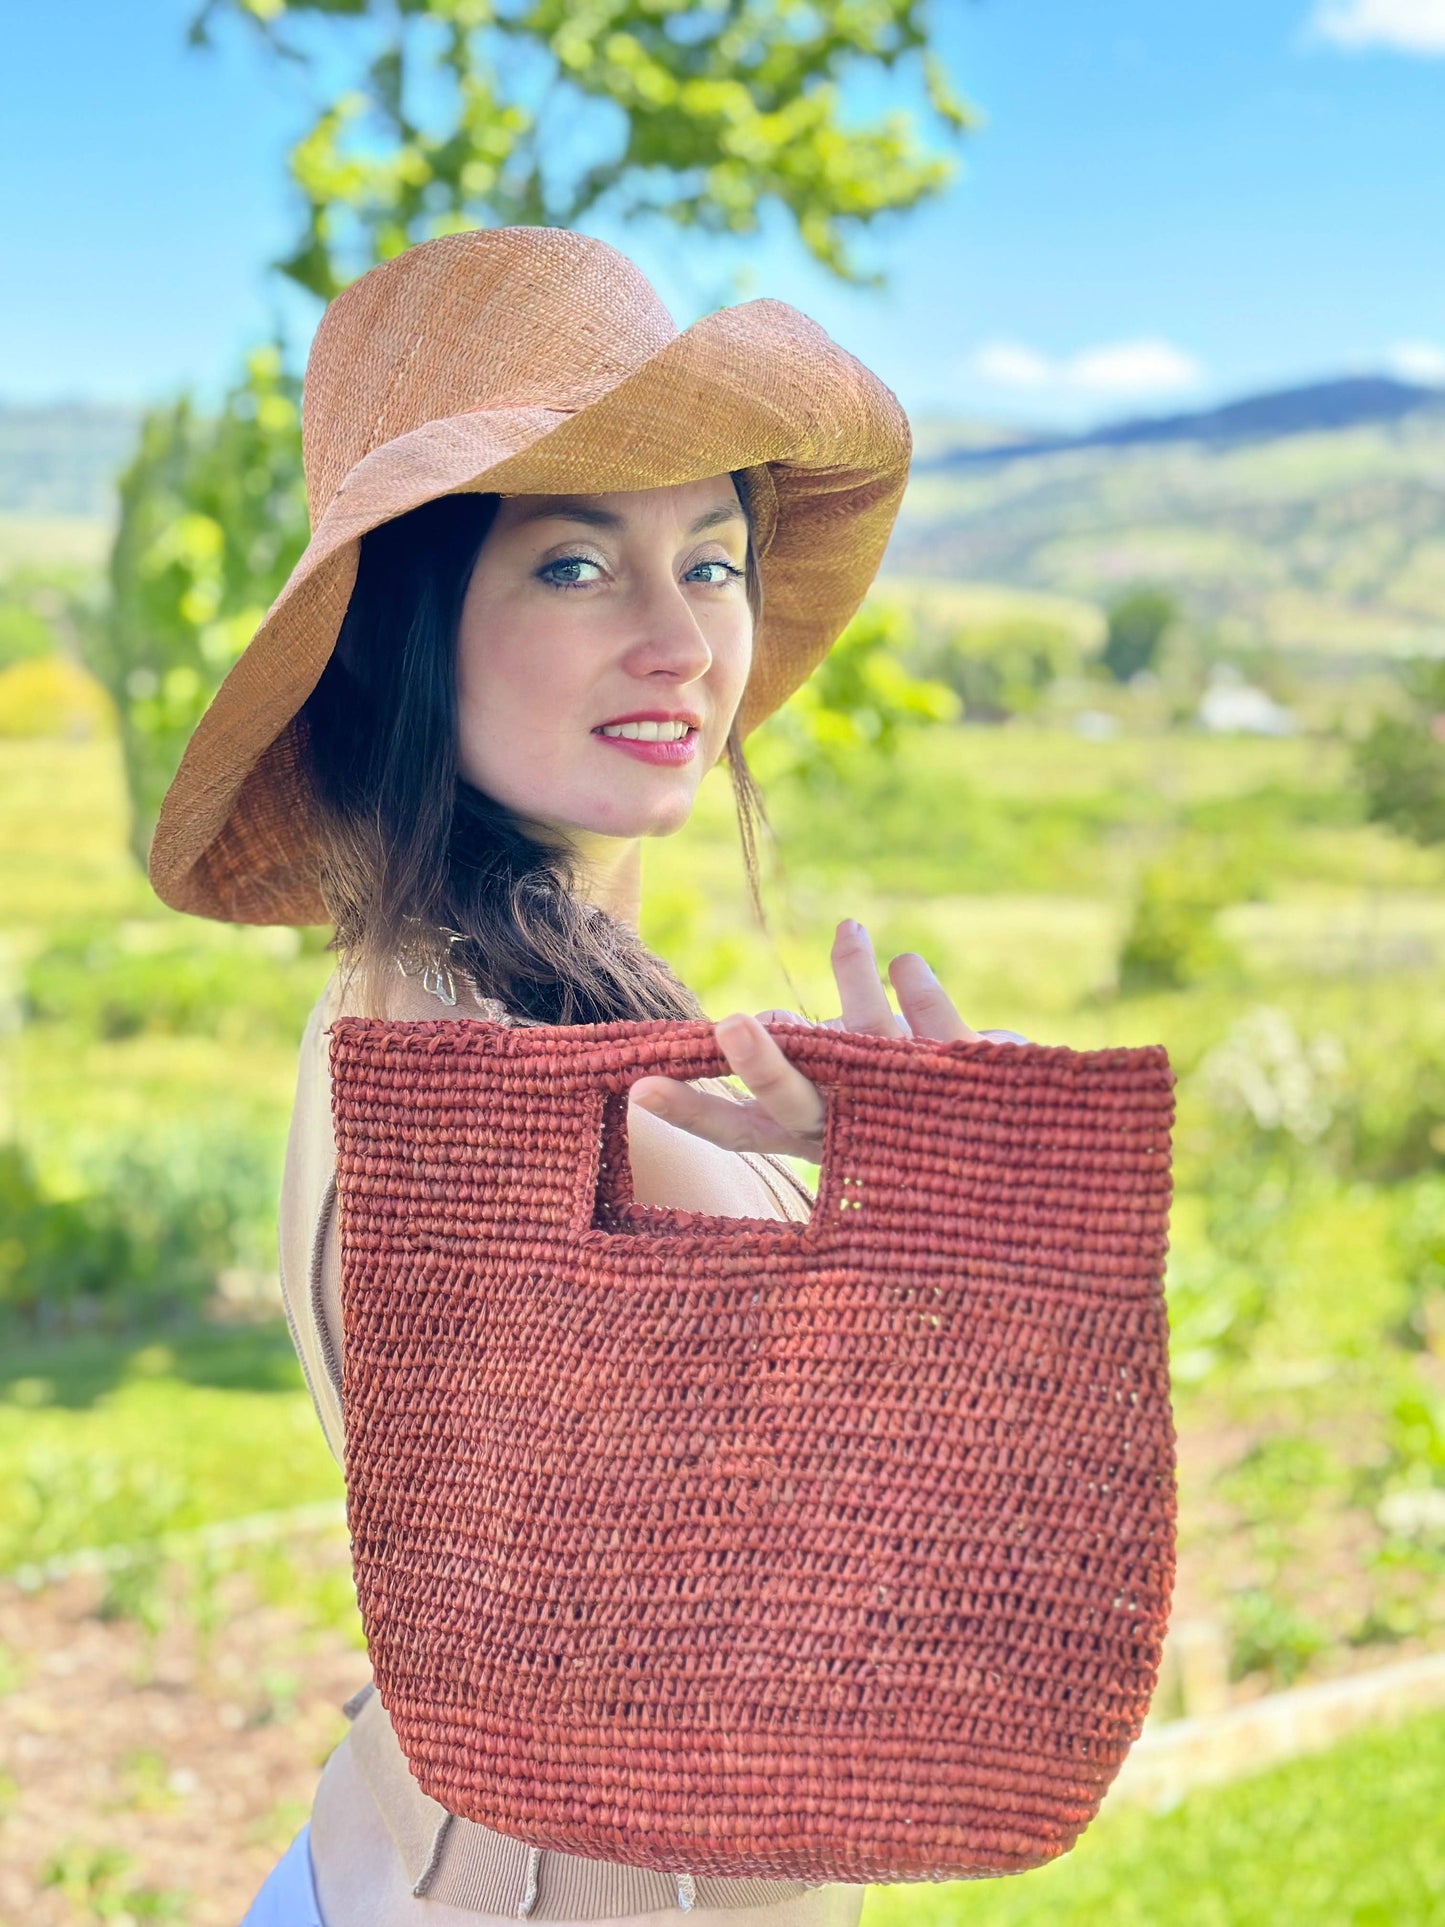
x=721, y=1120
x=927, y=1005
x=926, y=1008
x=792, y=1100
x=785, y=1112
x=860, y=990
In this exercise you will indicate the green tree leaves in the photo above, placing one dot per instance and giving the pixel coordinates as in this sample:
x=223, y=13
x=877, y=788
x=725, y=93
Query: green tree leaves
x=857, y=703
x=704, y=114
x=212, y=520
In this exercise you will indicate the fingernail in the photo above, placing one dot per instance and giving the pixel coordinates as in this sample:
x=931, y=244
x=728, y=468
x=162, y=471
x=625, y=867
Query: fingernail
x=732, y=1030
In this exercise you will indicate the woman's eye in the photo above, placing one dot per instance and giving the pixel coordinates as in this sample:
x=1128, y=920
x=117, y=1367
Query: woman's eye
x=586, y=562
x=566, y=562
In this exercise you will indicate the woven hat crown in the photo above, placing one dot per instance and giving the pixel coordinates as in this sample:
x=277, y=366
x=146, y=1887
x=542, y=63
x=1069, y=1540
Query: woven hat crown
x=513, y=317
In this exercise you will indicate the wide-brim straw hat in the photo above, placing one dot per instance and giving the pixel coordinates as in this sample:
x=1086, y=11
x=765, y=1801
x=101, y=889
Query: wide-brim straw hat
x=528, y=360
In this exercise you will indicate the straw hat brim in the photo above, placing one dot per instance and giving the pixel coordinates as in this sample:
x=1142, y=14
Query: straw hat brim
x=757, y=386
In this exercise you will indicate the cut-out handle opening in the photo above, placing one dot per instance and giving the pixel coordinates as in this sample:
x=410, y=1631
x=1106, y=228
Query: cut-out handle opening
x=611, y=1204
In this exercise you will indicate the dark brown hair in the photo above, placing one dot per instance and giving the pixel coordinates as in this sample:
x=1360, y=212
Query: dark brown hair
x=421, y=866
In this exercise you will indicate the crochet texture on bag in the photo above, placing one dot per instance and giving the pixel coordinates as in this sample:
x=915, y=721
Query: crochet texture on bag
x=837, y=1549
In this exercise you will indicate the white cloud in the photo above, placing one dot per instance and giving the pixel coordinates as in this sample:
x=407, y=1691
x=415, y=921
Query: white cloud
x=1012, y=365
x=1409, y=26
x=1421, y=361
x=1134, y=368
x=1144, y=367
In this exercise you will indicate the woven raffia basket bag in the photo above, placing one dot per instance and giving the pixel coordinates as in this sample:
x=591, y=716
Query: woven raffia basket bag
x=827, y=1550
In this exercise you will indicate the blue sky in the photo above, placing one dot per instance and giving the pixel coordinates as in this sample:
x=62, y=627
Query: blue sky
x=1167, y=205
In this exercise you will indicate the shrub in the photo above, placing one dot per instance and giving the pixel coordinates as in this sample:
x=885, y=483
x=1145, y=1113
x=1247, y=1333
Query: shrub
x=857, y=708
x=1007, y=666
x=48, y=696
x=55, y=1251
x=1172, y=939
x=1401, y=762
x=115, y=982
x=1395, y=1121
x=1137, y=625
x=1263, y=1113
x=1273, y=1090
x=1216, y=1304
x=212, y=520
x=1268, y=1636
x=147, y=1240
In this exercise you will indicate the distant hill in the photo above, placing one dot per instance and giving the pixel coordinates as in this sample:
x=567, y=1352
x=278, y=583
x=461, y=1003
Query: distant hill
x=936, y=435
x=1312, y=520
x=62, y=459
x=1353, y=401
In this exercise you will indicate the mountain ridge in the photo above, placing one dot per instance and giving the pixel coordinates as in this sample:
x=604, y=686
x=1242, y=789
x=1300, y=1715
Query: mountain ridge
x=61, y=457
x=1318, y=407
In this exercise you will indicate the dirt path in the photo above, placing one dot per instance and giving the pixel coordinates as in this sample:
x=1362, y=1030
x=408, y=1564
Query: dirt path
x=144, y=1777
x=162, y=1732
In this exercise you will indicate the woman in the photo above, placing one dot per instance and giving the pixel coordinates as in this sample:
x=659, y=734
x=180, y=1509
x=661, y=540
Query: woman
x=431, y=743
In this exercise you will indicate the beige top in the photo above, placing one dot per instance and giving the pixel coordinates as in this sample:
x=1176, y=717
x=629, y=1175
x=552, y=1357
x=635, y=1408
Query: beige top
x=446, y=1857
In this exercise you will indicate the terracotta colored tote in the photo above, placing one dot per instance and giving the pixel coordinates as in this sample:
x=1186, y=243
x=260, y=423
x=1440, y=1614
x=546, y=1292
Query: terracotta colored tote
x=837, y=1549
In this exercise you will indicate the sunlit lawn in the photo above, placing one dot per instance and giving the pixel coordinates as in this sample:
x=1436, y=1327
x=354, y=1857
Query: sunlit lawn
x=1347, y=1838
x=106, y=1441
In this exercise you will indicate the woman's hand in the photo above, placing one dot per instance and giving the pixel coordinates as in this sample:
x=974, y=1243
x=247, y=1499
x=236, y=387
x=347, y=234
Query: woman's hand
x=786, y=1111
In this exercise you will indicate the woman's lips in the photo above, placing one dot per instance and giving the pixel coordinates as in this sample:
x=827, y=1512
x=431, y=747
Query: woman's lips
x=681, y=751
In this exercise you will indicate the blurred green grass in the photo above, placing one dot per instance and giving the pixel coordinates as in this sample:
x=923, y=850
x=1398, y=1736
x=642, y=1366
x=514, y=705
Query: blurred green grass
x=1346, y=1838
x=107, y=1440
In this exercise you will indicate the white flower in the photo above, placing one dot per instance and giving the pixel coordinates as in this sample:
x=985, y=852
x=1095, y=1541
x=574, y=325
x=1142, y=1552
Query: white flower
x=1265, y=1070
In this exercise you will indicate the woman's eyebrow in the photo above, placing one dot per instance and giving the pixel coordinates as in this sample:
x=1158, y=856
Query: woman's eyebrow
x=564, y=508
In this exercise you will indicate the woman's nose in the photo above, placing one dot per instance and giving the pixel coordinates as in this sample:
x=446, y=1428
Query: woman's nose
x=669, y=634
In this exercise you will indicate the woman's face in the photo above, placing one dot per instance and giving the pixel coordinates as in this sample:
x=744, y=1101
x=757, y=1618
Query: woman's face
x=583, y=610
